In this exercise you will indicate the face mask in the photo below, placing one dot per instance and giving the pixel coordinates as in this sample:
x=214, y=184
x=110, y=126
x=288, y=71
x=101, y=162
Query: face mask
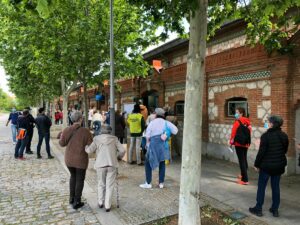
x=13, y=110
x=266, y=125
x=237, y=116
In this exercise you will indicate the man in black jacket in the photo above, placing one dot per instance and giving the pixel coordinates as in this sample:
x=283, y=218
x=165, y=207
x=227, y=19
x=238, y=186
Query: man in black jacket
x=23, y=124
x=29, y=131
x=43, y=124
x=270, y=163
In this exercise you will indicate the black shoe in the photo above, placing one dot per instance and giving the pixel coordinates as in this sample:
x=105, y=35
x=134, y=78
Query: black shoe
x=100, y=206
x=39, y=156
x=50, y=157
x=78, y=205
x=107, y=210
x=29, y=152
x=256, y=211
x=71, y=200
x=274, y=212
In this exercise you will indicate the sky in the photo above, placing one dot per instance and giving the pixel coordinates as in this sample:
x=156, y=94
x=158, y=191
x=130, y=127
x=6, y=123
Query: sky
x=3, y=81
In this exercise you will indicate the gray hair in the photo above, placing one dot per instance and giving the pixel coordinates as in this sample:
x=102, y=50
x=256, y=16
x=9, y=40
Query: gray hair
x=76, y=116
x=106, y=129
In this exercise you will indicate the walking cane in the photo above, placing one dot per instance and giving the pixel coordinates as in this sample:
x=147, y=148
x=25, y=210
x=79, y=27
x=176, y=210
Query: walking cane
x=117, y=184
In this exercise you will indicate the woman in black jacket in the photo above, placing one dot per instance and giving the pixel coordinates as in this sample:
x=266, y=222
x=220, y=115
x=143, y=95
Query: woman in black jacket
x=270, y=162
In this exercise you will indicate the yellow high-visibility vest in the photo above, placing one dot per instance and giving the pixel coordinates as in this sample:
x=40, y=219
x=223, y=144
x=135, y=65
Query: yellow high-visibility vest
x=134, y=121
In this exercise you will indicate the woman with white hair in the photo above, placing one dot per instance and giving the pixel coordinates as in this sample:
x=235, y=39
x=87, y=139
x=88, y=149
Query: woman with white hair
x=108, y=149
x=157, y=133
x=76, y=138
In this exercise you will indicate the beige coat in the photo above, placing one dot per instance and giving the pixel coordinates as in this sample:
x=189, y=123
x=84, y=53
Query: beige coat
x=108, y=149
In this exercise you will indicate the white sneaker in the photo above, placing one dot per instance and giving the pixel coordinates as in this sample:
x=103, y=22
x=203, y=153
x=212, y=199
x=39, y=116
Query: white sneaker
x=161, y=185
x=146, y=185
x=14, y=143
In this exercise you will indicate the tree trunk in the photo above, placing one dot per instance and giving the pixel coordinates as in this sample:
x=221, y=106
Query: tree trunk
x=53, y=111
x=65, y=93
x=86, y=108
x=189, y=208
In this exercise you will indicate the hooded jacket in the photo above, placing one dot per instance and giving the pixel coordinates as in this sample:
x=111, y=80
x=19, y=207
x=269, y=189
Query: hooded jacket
x=236, y=124
x=108, y=149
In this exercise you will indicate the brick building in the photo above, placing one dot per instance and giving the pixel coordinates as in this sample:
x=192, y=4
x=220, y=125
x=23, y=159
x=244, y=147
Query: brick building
x=236, y=75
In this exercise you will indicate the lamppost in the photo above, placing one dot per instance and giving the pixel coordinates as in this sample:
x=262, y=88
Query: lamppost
x=112, y=85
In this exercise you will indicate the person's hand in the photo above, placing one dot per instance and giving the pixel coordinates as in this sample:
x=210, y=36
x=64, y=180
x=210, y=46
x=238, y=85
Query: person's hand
x=256, y=169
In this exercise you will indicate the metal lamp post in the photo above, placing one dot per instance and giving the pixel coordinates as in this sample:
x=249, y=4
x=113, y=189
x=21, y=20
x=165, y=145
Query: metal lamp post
x=112, y=85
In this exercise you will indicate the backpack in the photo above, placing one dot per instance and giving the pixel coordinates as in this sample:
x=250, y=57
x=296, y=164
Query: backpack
x=243, y=136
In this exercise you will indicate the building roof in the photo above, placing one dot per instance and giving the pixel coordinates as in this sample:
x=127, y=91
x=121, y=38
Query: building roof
x=178, y=42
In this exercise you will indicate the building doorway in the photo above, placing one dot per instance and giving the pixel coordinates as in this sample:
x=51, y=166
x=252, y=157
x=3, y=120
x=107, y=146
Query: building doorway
x=150, y=99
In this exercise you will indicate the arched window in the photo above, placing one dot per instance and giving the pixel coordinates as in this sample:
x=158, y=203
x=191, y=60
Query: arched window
x=233, y=103
x=179, y=108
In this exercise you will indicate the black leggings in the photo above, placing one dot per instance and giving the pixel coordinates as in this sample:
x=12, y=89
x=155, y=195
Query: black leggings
x=242, y=156
x=76, y=182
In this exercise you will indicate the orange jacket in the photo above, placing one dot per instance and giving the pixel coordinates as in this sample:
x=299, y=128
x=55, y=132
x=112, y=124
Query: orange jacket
x=235, y=126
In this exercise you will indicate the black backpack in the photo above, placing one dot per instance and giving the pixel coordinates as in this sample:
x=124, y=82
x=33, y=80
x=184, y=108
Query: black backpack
x=243, y=136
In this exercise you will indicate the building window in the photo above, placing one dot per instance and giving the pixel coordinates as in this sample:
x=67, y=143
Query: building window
x=234, y=103
x=179, y=108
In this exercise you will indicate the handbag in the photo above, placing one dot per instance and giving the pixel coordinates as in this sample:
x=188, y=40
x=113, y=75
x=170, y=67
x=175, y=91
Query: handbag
x=21, y=134
x=166, y=134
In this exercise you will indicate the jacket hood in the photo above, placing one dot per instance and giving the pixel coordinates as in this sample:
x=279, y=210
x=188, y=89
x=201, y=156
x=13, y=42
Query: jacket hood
x=105, y=139
x=245, y=120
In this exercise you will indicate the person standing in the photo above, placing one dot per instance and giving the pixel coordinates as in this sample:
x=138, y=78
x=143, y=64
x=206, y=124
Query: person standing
x=30, y=131
x=144, y=110
x=120, y=126
x=13, y=118
x=270, y=162
x=43, y=124
x=157, y=133
x=241, y=139
x=136, y=124
x=90, y=118
x=76, y=138
x=108, y=150
x=23, y=125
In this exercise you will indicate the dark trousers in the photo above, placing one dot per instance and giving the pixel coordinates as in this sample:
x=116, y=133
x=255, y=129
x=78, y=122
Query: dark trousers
x=161, y=173
x=47, y=139
x=20, y=146
x=76, y=182
x=30, y=135
x=242, y=157
x=262, y=184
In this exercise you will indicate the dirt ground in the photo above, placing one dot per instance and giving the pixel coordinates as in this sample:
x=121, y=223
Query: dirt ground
x=209, y=216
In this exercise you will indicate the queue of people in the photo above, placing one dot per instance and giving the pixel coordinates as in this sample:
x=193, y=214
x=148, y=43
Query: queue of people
x=157, y=129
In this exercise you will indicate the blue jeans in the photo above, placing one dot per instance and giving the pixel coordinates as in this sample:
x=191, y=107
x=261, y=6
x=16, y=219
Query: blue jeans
x=262, y=184
x=20, y=147
x=148, y=170
x=14, y=132
x=47, y=139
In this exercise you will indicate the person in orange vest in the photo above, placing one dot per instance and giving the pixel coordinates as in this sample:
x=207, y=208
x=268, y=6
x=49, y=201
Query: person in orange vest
x=136, y=124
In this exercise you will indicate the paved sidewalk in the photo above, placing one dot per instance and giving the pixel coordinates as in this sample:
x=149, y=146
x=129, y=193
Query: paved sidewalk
x=219, y=189
x=35, y=191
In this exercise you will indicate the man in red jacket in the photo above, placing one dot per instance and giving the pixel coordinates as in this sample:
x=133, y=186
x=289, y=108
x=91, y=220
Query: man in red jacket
x=241, y=139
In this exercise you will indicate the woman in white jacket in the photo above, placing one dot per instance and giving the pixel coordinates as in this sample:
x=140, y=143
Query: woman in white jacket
x=108, y=149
